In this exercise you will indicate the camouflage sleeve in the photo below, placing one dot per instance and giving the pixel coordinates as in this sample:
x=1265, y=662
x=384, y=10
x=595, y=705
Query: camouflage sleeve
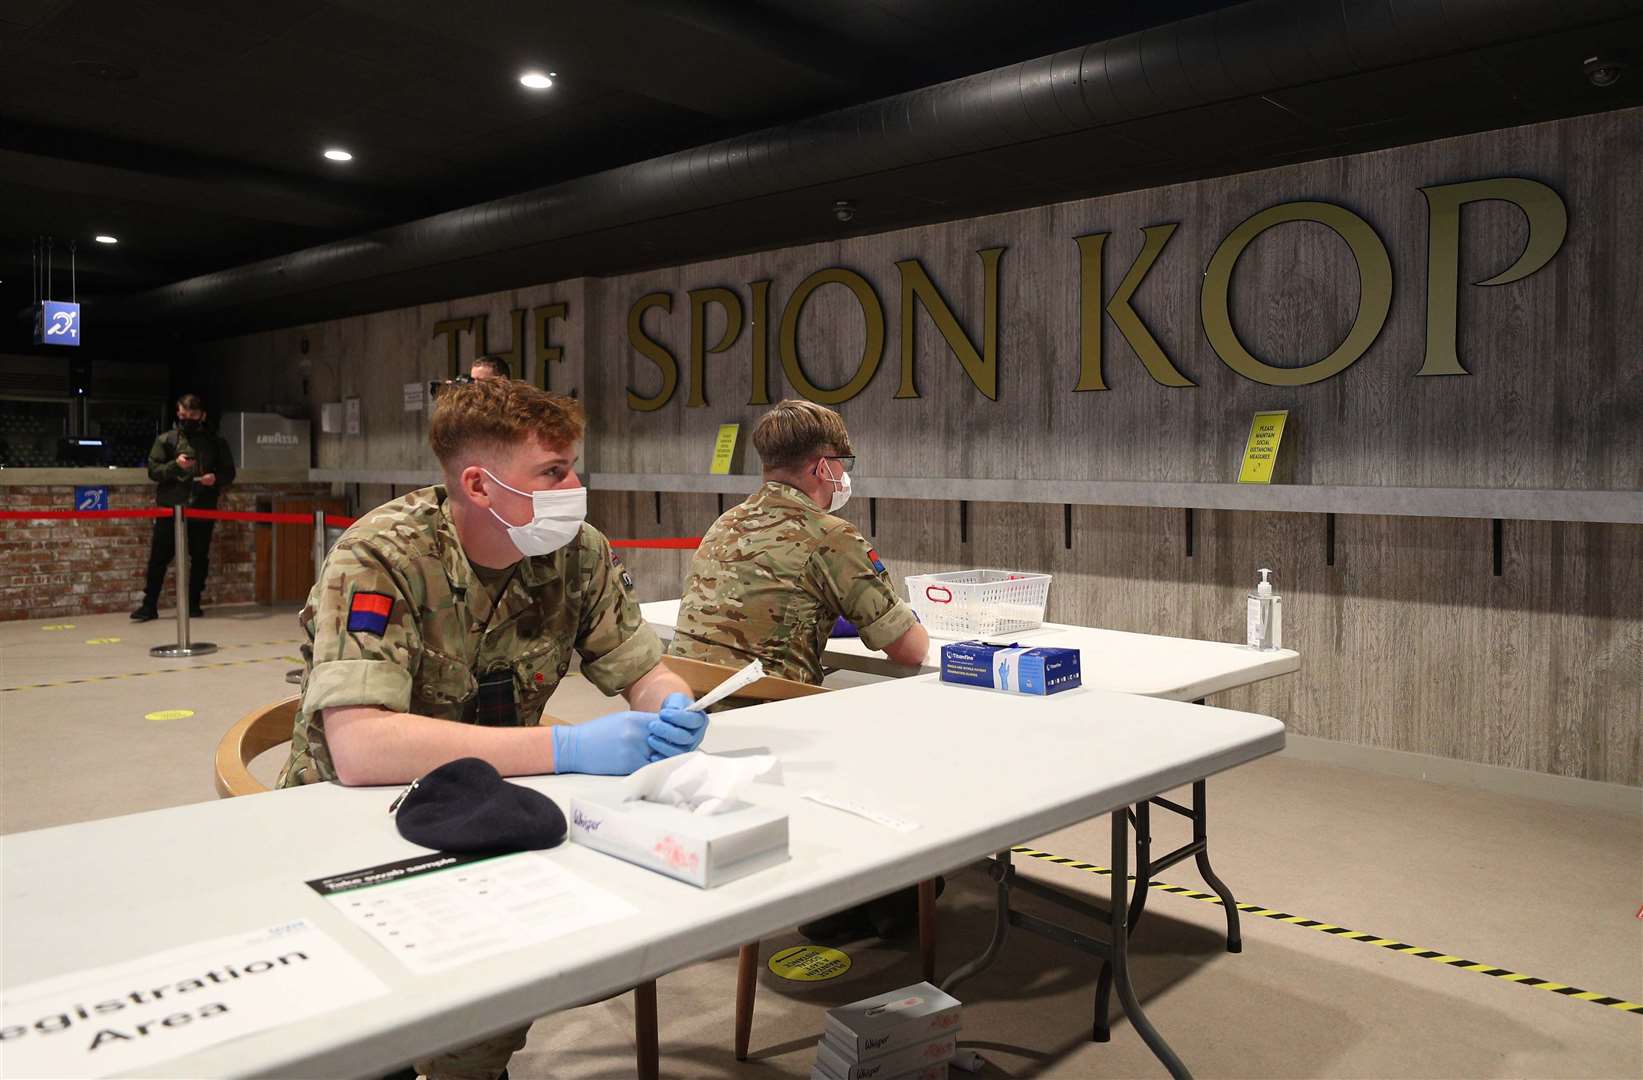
x=858, y=586
x=616, y=646
x=367, y=643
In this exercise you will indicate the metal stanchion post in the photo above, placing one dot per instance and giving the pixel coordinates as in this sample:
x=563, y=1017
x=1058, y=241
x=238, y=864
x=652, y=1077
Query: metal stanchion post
x=184, y=647
x=294, y=676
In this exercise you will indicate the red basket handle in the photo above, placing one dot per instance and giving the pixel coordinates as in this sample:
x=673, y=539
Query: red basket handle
x=931, y=590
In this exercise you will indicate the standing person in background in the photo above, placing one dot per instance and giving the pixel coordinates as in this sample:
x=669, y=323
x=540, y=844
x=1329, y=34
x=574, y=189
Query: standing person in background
x=490, y=367
x=191, y=467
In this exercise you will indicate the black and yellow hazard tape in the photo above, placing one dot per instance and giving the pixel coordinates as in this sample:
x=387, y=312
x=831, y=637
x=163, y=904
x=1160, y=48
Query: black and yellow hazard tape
x=151, y=671
x=1389, y=944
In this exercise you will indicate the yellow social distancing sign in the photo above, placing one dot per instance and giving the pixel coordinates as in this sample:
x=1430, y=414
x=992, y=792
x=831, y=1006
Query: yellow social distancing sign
x=809, y=963
x=1266, y=431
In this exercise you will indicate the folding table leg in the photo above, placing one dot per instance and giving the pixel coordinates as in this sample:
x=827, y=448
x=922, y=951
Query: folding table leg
x=999, y=868
x=1200, y=833
x=1120, y=960
x=927, y=928
x=747, y=982
x=1143, y=860
x=645, y=1035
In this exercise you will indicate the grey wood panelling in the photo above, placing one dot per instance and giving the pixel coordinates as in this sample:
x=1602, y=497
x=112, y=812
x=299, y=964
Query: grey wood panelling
x=1409, y=641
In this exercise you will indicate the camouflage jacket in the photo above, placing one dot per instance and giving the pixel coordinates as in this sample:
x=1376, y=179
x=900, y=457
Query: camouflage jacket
x=395, y=620
x=771, y=577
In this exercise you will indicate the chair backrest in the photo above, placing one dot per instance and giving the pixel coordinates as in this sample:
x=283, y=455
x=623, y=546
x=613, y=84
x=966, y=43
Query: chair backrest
x=258, y=730
x=702, y=676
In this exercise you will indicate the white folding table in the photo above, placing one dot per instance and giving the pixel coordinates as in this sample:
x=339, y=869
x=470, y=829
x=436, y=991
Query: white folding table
x=978, y=771
x=1177, y=669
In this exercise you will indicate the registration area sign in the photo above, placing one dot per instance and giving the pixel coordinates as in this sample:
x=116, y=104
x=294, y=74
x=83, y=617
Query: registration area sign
x=135, y=1015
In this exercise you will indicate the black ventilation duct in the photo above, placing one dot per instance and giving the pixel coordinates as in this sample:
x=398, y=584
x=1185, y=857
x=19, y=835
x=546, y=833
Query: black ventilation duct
x=1238, y=52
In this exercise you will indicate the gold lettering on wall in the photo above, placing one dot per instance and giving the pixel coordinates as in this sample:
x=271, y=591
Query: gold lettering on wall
x=546, y=354
x=1374, y=293
x=760, y=394
x=872, y=349
x=653, y=350
x=699, y=300
x=513, y=354
x=1548, y=224
x=1129, y=323
x=982, y=367
x=452, y=328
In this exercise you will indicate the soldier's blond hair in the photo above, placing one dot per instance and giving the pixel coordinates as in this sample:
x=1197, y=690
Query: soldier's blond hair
x=795, y=429
x=500, y=413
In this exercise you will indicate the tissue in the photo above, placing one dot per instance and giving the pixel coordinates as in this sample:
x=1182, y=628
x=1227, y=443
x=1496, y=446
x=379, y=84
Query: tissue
x=698, y=782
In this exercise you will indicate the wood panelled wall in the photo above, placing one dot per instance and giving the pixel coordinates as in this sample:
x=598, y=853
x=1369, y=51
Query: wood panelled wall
x=1410, y=640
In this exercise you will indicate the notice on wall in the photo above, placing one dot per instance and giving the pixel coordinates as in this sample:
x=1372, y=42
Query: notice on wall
x=131, y=1016
x=414, y=392
x=437, y=911
x=1266, y=431
x=724, y=449
x=350, y=412
x=330, y=418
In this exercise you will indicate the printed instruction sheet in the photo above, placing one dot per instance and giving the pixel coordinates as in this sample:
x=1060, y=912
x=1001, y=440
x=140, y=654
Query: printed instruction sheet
x=437, y=911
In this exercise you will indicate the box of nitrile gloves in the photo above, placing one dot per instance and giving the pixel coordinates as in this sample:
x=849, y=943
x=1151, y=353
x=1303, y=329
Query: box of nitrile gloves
x=1010, y=667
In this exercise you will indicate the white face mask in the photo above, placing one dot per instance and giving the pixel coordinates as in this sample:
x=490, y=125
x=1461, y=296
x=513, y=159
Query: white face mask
x=556, y=517
x=842, y=495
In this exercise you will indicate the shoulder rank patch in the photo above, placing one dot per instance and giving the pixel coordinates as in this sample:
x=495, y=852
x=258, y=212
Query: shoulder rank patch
x=873, y=557
x=368, y=613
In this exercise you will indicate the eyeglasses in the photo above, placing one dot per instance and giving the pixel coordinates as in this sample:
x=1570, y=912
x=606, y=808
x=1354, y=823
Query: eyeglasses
x=847, y=461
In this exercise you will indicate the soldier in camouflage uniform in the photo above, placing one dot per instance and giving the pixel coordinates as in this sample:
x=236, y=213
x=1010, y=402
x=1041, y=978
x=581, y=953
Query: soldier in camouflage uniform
x=439, y=628
x=774, y=573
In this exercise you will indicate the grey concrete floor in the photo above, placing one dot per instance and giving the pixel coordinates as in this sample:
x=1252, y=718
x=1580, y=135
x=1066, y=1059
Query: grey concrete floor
x=1534, y=887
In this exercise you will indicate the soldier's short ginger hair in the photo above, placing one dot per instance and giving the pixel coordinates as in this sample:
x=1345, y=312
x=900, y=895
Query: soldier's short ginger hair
x=500, y=414
x=794, y=430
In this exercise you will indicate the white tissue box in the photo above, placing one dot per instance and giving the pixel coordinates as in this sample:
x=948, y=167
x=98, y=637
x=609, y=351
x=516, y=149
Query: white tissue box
x=703, y=849
x=873, y=1027
x=913, y=1059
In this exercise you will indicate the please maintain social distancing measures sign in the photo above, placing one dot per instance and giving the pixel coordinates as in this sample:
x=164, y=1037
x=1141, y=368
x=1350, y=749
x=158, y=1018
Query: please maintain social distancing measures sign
x=134, y=1015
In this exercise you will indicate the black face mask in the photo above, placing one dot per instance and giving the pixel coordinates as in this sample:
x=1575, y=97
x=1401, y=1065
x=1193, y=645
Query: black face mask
x=189, y=425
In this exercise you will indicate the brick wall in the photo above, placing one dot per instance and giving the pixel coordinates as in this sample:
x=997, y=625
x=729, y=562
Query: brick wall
x=51, y=569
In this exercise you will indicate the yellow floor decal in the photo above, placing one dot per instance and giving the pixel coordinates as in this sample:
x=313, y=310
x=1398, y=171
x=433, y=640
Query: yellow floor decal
x=809, y=963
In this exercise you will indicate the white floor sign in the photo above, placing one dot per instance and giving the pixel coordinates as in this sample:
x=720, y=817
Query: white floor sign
x=129, y=1016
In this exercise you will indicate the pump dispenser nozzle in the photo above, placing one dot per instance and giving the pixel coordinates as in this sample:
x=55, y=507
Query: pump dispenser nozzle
x=1265, y=587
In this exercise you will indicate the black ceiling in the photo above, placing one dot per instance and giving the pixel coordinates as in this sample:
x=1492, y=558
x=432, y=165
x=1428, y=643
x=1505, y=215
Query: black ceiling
x=192, y=129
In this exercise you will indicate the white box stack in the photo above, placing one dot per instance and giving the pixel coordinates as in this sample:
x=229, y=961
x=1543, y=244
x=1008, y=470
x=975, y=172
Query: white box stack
x=906, y=1034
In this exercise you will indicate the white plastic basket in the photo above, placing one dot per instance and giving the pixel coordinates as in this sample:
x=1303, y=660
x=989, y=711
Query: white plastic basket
x=970, y=603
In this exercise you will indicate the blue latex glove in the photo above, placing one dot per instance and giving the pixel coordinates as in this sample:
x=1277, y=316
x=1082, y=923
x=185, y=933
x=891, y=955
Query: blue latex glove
x=613, y=745
x=678, y=729
x=843, y=627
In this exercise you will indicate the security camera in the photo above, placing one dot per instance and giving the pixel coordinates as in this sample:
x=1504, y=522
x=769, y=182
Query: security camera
x=844, y=210
x=1604, y=70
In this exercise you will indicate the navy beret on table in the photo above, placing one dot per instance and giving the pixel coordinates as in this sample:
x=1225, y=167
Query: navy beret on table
x=465, y=805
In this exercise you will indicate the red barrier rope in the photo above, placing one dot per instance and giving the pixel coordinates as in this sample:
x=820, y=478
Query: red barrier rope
x=336, y=521
x=94, y=515
x=246, y=515
x=672, y=543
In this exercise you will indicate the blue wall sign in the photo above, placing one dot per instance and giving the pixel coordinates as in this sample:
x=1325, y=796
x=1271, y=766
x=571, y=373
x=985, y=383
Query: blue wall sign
x=91, y=498
x=57, y=322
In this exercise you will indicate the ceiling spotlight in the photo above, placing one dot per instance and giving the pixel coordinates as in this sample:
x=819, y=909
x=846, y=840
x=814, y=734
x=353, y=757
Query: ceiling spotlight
x=1605, y=70
x=104, y=238
x=338, y=155
x=536, y=80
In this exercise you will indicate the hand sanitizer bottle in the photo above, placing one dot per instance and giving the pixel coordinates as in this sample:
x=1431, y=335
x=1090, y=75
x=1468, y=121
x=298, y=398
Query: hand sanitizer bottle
x=1265, y=623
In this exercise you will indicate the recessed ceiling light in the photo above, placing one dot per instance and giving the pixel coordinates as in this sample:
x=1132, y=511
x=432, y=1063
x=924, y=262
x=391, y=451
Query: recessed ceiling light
x=338, y=155
x=536, y=80
x=104, y=238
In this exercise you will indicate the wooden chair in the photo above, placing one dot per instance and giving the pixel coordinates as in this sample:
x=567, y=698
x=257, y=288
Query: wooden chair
x=263, y=729
x=701, y=677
